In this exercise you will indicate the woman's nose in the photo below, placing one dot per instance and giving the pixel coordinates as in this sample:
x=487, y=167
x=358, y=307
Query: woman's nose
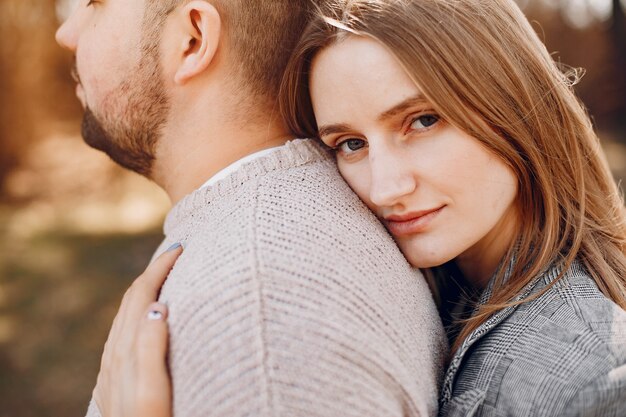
x=392, y=176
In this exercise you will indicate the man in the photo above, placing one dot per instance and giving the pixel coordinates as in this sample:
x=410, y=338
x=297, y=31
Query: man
x=290, y=298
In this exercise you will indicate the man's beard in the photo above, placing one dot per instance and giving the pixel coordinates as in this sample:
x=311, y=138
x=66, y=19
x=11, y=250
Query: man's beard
x=140, y=106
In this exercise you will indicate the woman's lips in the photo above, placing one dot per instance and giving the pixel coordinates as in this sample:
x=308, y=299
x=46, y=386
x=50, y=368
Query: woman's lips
x=411, y=223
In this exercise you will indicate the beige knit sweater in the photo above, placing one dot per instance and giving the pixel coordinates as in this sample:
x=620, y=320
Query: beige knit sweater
x=291, y=299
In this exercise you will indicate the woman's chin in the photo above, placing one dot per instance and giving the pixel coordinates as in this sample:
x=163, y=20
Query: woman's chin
x=425, y=258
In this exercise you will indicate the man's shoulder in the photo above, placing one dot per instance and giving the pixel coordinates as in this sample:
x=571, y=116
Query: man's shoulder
x=305, y=204
x=299, y=219
x=317, y=178
x=311, y=194
x=311, y=210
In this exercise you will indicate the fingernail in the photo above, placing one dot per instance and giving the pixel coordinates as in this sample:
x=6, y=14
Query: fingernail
x=155, y=315
x=174, y=247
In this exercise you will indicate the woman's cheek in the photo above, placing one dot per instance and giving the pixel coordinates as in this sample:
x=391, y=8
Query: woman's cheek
x=358, y=178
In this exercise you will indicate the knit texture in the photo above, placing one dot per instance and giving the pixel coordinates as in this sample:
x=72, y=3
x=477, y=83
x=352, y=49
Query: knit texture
x=291, y=299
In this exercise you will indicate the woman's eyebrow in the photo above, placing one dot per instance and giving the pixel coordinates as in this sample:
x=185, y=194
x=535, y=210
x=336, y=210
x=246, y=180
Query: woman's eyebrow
x=388, y=114
x=333, y=128
x=403, y=106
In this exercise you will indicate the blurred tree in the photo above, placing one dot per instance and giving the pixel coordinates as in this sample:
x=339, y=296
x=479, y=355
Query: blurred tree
x=34, y=79
x=618, y=30
x=589, y=34
x=12, y=135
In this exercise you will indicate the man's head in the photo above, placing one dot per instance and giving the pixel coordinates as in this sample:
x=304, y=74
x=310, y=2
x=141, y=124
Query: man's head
x=136, y=60
x=260, y=34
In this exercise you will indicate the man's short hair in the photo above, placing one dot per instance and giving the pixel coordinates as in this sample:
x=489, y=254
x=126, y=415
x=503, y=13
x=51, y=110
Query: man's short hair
x=261, y=33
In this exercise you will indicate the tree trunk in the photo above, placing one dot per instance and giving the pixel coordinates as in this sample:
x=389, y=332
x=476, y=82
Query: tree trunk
x=618, y=32
x=29, y=86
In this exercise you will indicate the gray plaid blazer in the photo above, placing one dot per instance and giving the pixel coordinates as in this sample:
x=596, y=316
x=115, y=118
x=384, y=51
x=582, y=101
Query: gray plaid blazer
x=562, y=354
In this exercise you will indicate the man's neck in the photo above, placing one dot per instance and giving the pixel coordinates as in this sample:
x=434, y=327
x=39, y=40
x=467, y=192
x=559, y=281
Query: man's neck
x=194, y=149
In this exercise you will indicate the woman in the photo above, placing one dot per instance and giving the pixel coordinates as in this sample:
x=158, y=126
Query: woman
x=455, y=126
x=453, y=123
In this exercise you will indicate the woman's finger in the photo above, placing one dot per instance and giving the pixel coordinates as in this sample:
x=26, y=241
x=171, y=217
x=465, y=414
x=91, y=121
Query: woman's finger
x=146, y=287
x=144, y=291
x=152, y=334
x=153, y=380
x=155, y=274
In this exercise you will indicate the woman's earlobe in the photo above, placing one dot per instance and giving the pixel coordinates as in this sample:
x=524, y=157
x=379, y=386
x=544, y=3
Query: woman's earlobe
x=202, y=25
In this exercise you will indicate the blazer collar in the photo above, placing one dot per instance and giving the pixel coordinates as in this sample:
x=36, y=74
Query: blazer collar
x=482, y=330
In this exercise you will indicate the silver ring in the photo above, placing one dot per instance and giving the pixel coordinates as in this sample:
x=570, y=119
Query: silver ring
x=155, y=315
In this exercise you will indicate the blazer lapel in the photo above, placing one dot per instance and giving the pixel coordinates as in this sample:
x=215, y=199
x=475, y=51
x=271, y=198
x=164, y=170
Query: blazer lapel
x=481, y=331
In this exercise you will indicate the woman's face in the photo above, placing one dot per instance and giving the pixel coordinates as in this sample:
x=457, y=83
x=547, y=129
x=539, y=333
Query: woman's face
x=440, y=192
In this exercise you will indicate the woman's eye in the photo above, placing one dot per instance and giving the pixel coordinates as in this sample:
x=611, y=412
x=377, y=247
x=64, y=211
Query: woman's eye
x=424, y=122
x=350, y=146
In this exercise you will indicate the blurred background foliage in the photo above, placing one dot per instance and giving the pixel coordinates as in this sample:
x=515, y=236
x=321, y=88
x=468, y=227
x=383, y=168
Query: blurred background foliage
x=75, y=229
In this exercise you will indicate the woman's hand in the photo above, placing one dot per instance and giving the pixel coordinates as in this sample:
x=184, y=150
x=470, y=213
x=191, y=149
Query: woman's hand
x=134, y=379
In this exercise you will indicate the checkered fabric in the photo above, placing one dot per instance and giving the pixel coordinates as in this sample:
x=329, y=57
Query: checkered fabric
x=562, y=354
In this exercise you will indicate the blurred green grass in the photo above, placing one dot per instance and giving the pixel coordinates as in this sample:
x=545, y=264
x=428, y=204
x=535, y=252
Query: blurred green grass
x=59, y=293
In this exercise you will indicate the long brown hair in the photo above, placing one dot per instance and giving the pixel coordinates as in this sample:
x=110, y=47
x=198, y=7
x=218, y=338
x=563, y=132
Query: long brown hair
x=482, y=66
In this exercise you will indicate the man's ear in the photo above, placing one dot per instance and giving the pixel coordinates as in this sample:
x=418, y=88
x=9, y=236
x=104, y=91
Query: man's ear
x=201, y=24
